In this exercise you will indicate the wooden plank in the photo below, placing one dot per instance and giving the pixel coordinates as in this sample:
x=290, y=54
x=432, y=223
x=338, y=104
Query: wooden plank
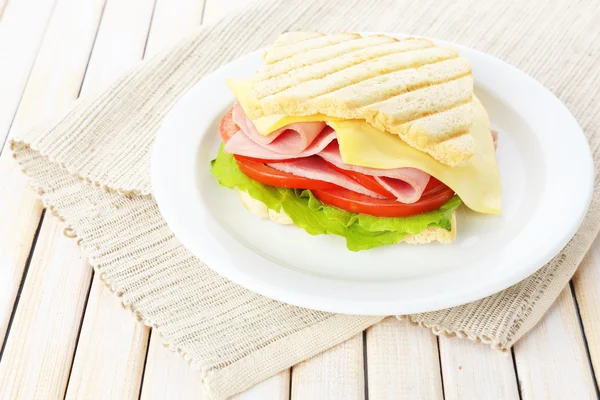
x=109, y=361
x=338, y=372
x=173, y=20
x=17, y=23
x=586, y=284
x=402, y=362
x=39, y=350
x=551, y=359
x=120, y=43
x=21, y=33
x=476, y=371
x=217, y=9
x=54, y=83
x=275, y=388
x=169, y=376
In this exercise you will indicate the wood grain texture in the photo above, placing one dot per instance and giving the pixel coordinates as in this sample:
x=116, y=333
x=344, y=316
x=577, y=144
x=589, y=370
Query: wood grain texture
x=402, y=362
x=551, y=359
x=39, y=350
x=110, y=356
x=336, y=373
x=21, y=34
x=586, y=284
x=476, y=371
x=53, y=85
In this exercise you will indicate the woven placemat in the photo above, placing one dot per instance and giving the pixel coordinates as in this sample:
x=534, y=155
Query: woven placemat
x=92, y=170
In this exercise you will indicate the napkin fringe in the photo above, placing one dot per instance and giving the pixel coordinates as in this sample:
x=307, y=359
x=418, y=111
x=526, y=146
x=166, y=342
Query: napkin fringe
x=19, y=144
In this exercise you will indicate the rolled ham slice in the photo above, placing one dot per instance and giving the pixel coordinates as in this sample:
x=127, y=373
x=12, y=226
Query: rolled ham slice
x=407, y=184
x=241, y=144
x=292, y=139
x=315, y=168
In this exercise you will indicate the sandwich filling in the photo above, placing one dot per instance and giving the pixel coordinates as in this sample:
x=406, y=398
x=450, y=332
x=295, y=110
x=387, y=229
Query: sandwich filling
x=370, y=138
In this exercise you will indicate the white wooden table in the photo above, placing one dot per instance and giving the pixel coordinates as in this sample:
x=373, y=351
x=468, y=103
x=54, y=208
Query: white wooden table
x=64, y=335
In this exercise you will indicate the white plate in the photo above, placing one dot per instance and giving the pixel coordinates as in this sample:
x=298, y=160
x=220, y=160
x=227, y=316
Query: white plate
x=547, y=179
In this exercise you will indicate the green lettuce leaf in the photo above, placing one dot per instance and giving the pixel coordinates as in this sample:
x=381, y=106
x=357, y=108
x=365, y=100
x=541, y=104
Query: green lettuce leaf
x=361, y=231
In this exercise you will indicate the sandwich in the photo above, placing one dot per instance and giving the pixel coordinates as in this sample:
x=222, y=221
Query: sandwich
x=374, y=139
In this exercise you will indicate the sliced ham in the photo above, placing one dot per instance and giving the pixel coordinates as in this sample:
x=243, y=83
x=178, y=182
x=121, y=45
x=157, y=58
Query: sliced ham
x=291, y=139
x=315, y=168
x=407, y=184
x=404, y=191
x=241, y=144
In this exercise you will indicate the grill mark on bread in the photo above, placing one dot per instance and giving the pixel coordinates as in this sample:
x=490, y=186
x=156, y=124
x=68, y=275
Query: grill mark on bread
x=414, y=105
x=440, y=110
x=450, y=134
x=353, y=96
x=322, y=69
x=407, y=88
x=298, y=61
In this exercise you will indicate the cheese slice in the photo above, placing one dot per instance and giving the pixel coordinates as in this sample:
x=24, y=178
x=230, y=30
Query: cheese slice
x=476, y=180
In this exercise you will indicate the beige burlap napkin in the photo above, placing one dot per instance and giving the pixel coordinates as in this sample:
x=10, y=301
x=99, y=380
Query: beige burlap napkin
x=91, y=169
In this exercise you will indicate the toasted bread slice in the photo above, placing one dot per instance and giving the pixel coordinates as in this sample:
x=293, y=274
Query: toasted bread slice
x=412, y=88
x=431, y=234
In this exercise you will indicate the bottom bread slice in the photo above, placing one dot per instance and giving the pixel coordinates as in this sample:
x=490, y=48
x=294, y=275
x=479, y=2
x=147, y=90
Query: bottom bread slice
x=431, y=234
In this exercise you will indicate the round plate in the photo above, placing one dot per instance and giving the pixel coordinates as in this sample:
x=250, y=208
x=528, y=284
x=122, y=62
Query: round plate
x=547, y=179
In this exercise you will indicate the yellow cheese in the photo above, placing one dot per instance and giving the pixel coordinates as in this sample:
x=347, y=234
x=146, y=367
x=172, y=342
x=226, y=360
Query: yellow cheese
x=476, y=180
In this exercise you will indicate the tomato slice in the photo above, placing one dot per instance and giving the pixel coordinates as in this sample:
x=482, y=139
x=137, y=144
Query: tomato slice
x=434, y=186
x=365, y=180
x=270, y=176
x=227, y=128
x=360, y=203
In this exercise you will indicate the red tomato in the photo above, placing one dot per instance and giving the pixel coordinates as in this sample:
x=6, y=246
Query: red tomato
x=434, y=186
x=360, y=203
x=270, y=176
x=227, y=128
